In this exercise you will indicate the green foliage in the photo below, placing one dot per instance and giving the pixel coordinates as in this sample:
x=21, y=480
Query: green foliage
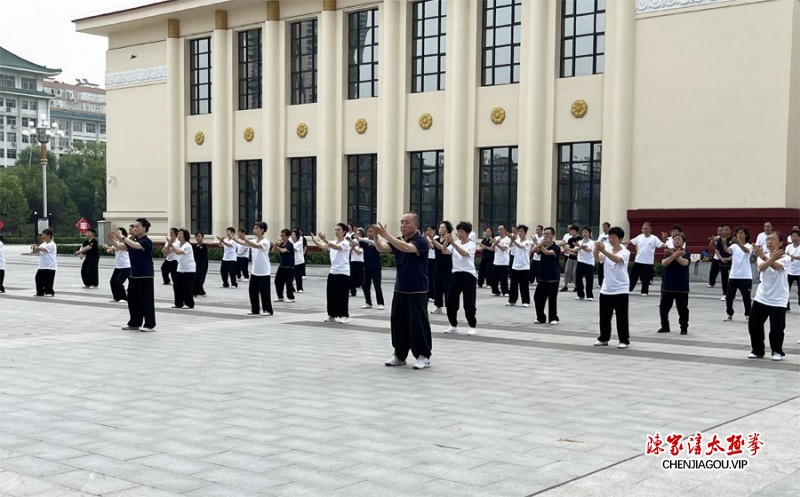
x=13, y=207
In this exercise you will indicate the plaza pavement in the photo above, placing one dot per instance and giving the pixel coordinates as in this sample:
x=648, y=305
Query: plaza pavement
x=214, y=403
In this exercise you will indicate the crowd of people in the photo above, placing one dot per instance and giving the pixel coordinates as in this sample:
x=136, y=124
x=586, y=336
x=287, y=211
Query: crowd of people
x=439, y=267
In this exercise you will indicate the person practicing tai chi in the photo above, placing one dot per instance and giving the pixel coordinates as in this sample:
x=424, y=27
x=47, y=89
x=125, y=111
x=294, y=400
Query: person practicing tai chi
x=122, y=268
x=546, y=292
x=337, y=290
x=741, y=276
x=183, y=281
x=228, y=267
x=91, y=259
x=675, y=285
x=772, y=295
x=464, y=278
x=584, y=271
x=646, y=245
x=614, y=292
x=141, y=294
x=285, y=275
x=259, y=289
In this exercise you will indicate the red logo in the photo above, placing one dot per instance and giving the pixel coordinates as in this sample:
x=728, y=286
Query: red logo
x=83, y=225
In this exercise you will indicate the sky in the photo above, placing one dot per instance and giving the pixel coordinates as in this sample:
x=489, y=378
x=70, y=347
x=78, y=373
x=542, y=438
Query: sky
x=77, y=55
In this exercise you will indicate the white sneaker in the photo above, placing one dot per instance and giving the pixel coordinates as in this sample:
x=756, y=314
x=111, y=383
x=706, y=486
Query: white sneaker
x=526, y=305
x=722, y=299
x=753, y=356
x=366, y=306
x=437, y=310
x=343, y=320
x=265, y=313
x=554, y=322
x=623, y=346
x=451, y=330
x=472, y=331
x=578, y=298
x=299, y=291
x=422, y=362
x=394, y=361
x=777, y=357
x=590, y=299
x=380, y=307
x=510, y=304
x=600, y=343
x=330, y=319
x=277, y=300
x=289, y=301
x=430, y=300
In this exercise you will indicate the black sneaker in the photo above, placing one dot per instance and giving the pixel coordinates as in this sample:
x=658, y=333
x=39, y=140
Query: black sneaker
x=684, y=332
x=663, y=330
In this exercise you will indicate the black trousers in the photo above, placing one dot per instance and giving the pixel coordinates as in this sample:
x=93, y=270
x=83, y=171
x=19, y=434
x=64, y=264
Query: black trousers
x=182, y=289
x=338, y=294
x=411, y=329
x=373, y=276
x=584, y=273
x=610, y=305
x=519, y=285
x=792, y=279
x=777, y=325
x=259, y=288
x=242, y=264
x=117, y=283
x=44, y=282
x=441, y=285
x=485, y=272
x=89, y=272
x=168, y=269
x=462, y=283
x=299, y=272
x=228, y=269
x=681, y=301
x=356, y=276
x=643, y=271
x=283, y=279
x=546, y=293
x=744, y=287
x=713, y=272
x=2, y=279
x=600, y=275
x=141, y=302
x=534, y=271
x=499, y=280
x=430, y=277
x=200, y=280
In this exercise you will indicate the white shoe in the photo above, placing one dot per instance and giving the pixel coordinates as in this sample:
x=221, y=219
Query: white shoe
x=451, y=330
x=578, y=298
x=510, y=304
x=112, y=300
x=722, y=299
x=753, y=356
x=590, y=299
x=623, y=346
x=330, y=319
x=430, y=300
x=526, y=305
x=343, y=320
x=265, y=313
x=394, y=361
x=366, y=306
x=299, y=291
x=422, y=362
x=777, y=357
x=380, y=307
x=600, y=343
x=554, y=322
x=437, y=310
x=472, y=331
x=289, y=301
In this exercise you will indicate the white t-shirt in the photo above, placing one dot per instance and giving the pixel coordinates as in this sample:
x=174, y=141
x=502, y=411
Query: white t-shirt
x=603, y=238
x=242, y=250
x=585, y=257
x=229, y=253
x=186, y=262
x=670, y=244
x=646, y=248
x=47, y=260
x=615, y=279
x=299, y=256
x=340, y=259
x=2, y=256
x=740, y=262
x=537, y=256
x=473, y=237
x=793, y=268
x=522, y=260
x=761, y=241
x=355, y=256
x=261, y=265
x=774, y=287
x=172, y=256
x=122, y=259
x=463, y=264
x=502, y=257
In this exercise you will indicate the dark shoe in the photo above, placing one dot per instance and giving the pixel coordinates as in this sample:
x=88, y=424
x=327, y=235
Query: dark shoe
x=663, y=330
x=130, y=328
x=684, y=332
x=565, y=289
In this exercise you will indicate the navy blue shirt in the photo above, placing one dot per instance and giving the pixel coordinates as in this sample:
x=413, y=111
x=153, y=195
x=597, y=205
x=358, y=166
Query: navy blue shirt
x=487, y=256
x=372, y=258
x=723, y=245
x=412, y=269
x=549, y=268
x=142, y=260
x=675, y=277
x=443, y=263
x=287, y=258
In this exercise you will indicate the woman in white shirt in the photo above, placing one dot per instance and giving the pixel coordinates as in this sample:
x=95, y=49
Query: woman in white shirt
x=183, y=283
x=259, y=275
x=464, y=278
x=228, y=266
x=772, y=295
x=122, y=268
x=299, y=259
x=47, y=265
x=741, y=276
x=170, y=264
x=338, y=287
x=614, y=292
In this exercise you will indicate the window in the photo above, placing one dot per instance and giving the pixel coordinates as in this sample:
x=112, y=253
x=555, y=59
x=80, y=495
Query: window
x=427, y=180
x=11, y=103
x=250, y=69
x=200, y=76
x=2, y=152
x=583, y=37
x=27, y=83
x=102, y=129
x=498, y=189
x=23, y=104
x=11, y=137
x=91, y=127
x=8, y=81
x=249, y=193
x=428, y=45
x=11, y=120
x=11, y=153
x=502, y=33
x=304, y=62
x=303, y=171
x=200, y=186
x=3, y=136
x=362, y=188
x=579, y=167
x=363, y=54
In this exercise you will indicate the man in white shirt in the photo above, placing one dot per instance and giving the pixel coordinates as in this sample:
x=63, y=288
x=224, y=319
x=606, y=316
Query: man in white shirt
x=520, y=269
x=585, y=270
x=47, y=265
x=464, y=278
x=537, y=238
x=646, y=245
x=614, y=292
x=793, y=269
x=761, y=239
x=772, y=295
x=741, y=276
x=501, y=248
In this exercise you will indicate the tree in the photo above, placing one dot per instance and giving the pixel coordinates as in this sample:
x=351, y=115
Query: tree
x=13, y=204
x=83, y=171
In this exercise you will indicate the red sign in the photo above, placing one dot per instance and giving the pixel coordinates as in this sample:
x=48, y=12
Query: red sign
x=83, y=225
x=2, y=224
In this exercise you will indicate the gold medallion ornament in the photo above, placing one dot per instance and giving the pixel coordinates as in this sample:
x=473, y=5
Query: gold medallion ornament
x=199, y=138
x=302, y=130
x=425, y=121
x=579, y=108
x=249, y=133
x=361, y=126
x=498, y=115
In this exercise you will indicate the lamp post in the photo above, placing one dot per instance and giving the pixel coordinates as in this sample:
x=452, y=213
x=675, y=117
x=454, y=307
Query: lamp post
x=43, y=132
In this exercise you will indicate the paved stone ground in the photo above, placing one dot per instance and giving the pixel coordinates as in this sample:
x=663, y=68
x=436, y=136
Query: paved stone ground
x=217, y=404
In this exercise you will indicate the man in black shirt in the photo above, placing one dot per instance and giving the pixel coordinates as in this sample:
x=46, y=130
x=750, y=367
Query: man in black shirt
x=91, y=254
x=141, y=298
x=549, y=275
x=725, y=256
x=675, y=285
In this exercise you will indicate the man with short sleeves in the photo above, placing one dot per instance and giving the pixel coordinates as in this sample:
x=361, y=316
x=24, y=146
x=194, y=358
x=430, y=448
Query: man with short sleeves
x=409, y=322
x=464, y=278
x=771, y=298
x=584, y=273
x=520, y=268
x=646, y=244
x=675, y=285
x=502, y=258
x=536, y=239
x=141, y=296
x=761, y=239
x=546, y=292
x=568, y=247
x=793, y=269
x=614, y=292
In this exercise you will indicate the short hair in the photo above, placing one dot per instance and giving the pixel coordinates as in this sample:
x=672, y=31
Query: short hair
x=173, y=230
x=361, y=232
x=539, y=226
x=124, y=232
x=680, y=234
x=230, y=228
x=430, y=227
x=344, y=227
x=587, y=228
x=646, y=223
x=48, y=232
x=617, y=231
x=523, y=228
x=572, y=227
x=447, y=225
x=778, y=234
x=261, y=224
x=607, y=224
x=144, y=223
x=797, y=232
x=726, y=225
x=501, y=225
x=243, y=230
x=465, y=226
x=187, y=235
x=744, y=229
x=287, y=232
x=677, y=227
x=92, y=230
x=550, y=229
x=414, y=216
x=199, y=233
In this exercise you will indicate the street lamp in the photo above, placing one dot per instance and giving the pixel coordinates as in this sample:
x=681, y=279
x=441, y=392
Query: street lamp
x=43, y=132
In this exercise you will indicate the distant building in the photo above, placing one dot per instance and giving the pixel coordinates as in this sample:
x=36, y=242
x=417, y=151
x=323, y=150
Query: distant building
x=79, y=110
x=22, y=99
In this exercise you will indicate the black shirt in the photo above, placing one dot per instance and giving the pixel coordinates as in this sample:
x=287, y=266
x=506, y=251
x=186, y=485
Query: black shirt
x=200, y=251
x=572, y=243
x=722, y=246
x=487, y=256
x=93, y=254
x=549, y=268
x=675, y=277
x=372, y=258
x=412, y=269
x=142, y=260
x=287, y=258
x=443, y=262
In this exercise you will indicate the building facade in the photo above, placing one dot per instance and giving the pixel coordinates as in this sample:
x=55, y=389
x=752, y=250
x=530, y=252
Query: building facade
x=309, y=112
x=79, y=110
x=22, y=99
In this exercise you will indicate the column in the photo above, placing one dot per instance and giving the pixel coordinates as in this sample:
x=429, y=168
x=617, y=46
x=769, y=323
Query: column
x=223, y=198
x=615, y=182
x=176, y=190
x=330, y=180
x=273, y=162
x=391, y=157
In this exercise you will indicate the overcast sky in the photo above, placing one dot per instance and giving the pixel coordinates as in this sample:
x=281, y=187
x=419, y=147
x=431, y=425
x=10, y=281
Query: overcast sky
x=42, y=32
